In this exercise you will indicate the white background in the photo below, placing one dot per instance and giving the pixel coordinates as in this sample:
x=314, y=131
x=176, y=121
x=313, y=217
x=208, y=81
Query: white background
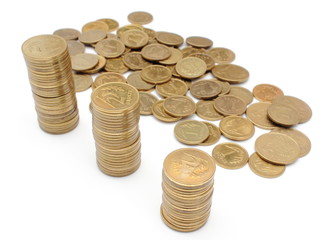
x=51, y=188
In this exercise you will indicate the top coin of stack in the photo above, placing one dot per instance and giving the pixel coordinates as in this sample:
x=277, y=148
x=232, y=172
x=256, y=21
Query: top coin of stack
x=50, y=74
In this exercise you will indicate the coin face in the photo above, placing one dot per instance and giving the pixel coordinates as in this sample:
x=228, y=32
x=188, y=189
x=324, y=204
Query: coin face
x=134, y=38
x=111, y=23
x=135, y=61
x=110, y=48
x=230, y=155
x=146, y=102
x=206, y=58
x=206, y=110
x=141, y=18
x=277, y=148
x=266, y=92
x=257, y=113
x=191, y=67
x=115, y=65
x=75, y=47
x=170, y=39
x=159, y=112
x=191, y=132
x=92, y=36
x=84, y=61
x=283, y=114
x=230, y=73
x=188, y=51
x=67, y=33
x=172, y=88
x=242, y=93
x=176, y=55
x=156, y=74
x=108, y=77
x=214, y=134
x=96, y=25
x=179, y=106
x=263, y=168
x=228, y=105
x=135, y=80
x=237, y=128
x=199, y=42
x=225, y=86
x=82, y=82
x=127, y=28
x=155, y=52
x=205, y=89
x=101, y=64
x=221, y=55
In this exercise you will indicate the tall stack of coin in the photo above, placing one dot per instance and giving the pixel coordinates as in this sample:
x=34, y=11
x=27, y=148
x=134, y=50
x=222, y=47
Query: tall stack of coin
x=188, y=179
x=50, y=74
x=116, y=114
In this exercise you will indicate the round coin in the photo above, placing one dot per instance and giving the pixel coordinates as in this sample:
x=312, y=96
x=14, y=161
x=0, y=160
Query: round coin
x=67, y=33
x=108, y=77
x=229, y=105
x=176, y=55
x=134, y=38
x=96, y=25
x=92, y=37
x=257, y=113
x=179, y=106
x=263, y=168
x=205, y=89
x=101, y=64
x=75, y=47
x=172, y=88
x=84, y=61
x=266, y=92
x=135, y=61
x=127, y=28
x=141, y=18
x=156, y=74
x=146, y=102
x=155, y=52
x=82, y=82
x=191, y=132
x=206, y=58
x=206, y=110
x=236, y=128
x=199, y=42
x=135, y=80
x=242, y=93
x=115, y=65
x=230, y=73
x=170, y=39
x=283, y=114
x=222, y=55
x=111, y=23
x=230, y=155
x=110, y=48
x=159, y=112
x=214, y=134
x=191, y=67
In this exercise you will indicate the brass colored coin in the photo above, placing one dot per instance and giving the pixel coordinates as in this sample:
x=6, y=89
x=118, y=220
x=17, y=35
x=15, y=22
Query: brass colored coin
x=84, y=61
x=206, y=110
x=172, y=88
x=146, y=101
x=170, y=39
x=277, y=148
x=214, y=134
x=108, y=77
x=283, y=114
x=115, y=65
x=111, y=23
x=159, y=112
x=199, y=42
x=222, y=55
x=151, y=33
x=266, y=92
x=225, y=87
x=205, y=89
x=141, y=18
x=263, y=168
x=237, y=128
x=82, y=82
x=191, y=67
x=75, y=47
x=127, y=28
x=112, y=36
x=176, y=55
x=242, y=93
x=188, y=51
x=257, y=113
x=302, y=140
x=101, y=64
x=136, y=81
x=91, y=37
x=134, y=39
x=191, y=132
x=67, y=33
x=179, y=106
x=135, y=61
x=229, y=105
x=230, y=73
x=96, y=25
x=110, y=48
x=156, y=74
x=156, y=52
x=206, y=58
x=230, y=155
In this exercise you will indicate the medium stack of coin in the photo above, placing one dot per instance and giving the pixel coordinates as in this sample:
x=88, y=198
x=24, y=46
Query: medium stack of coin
x=188, y=179
x=50, y=74
x=116, y=113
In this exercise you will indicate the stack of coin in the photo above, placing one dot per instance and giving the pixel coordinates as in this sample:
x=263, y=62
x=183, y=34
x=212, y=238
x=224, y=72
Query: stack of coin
x=116, y=114
x=188, y=179
x=50, y=74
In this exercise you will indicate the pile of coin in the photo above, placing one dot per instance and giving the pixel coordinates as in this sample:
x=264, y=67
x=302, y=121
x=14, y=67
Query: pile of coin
x=115, y=114
x=188, y=179
x=50, y=74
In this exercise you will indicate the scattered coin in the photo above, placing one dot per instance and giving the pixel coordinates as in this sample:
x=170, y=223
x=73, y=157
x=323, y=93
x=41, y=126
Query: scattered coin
x=101, y=64
x=156, y=74
x=127, y=28
x=206, y=58
x=111, y=23
x=221, y=55
x=136, y=81
x=176, y=55
x=110, y=48
x=96, y=25
x=230, y=73
x=191, y=67
x=230, y=155
x=147, y=100
x=75, y=47
x=115, y=65
x=205, y=89
x=135, y=61
x=172, y=88
x=266, y=92
x=169, y=39
x=141, y=18
x=229, y=105
x=214, y=134
x=199, y=42
x=188, y=51
x=159, y=112
x=225, y=86
x=179, y=106
x=191, y=132
x=206, y=110
x=155, y=52
x=107, y=77
x=84, y=61
x=283, y=114
x=67, y=33
x=237, y=128
x=91, y=37
x=242, y=93
x=134, y=39
x=263, y=168
x=257, y=113
x=82, y=82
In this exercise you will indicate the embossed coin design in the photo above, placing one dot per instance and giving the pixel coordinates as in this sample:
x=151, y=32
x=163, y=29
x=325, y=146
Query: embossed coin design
x=135, y=61
x=82, y=82
x=101, y=64
x=108, y=77
x=135, y=80
x=156, y=74
x=84, y=61
x=115, y=65
x=172, y=88
x=96, y=25
x=176, y=55
x=170, y=39
x=205, y=89
x=214, y=134
x=206, y=110
x=230, y=73
x=146, y=101
x=92, y=36
x=266, y=92
x=257, y=113
x=283, y=114
x=199, y=42
x=111, y=23
x=179, y=106
x=159, y=113
x=222, y=55
x=230, y=155
x=191, y=67
x=191, y=132
x=134, y=39
x=206, y=58
x=237, y=128
x=263, y=168
x=155, y=52
x=141, y=18
x=242, y=93
x=67, y=33
x=110, y=48
x=229, y=105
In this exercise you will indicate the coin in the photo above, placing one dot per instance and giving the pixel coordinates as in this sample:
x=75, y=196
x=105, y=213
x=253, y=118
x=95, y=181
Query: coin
x=106, y=78
x=205, y=89
x=170, y=39
x=110, y=48
x=159, y=112
x=242, y=93
x=92, y=36
x=115, y=65
x=136, y=81
x=221, y=55
x=84, y=61
x=82, y=82
x=283, y=114
x=176, y=55
x=237, y=128
x=230, y=73
x=206, y=58
x=156, y=74
x=277, y=148
x=302, y=140
x=179, y=106
x=191, y=67
x=67, y=33
x=263, y=168
x=134, y=39
x=112, y=36
x=206, y=110
x=172, y=88
x=225, y=86
x=75, y=47
x=147, y=100
x=266, y=92
x=200, y=42
x=257, y=113
x=191, y=132
x=230, y=155
x=135, y=61
x=111, y=23
x=141, y=18
x=155, y=52
x=151, y=33
x=96, y=25
x=214, y=134
x=127, y=28
x=188, y=51
x=101, y=64
x=229, y=105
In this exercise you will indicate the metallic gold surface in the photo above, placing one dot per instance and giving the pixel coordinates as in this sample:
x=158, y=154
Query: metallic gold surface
x=191, y=132
x=230, y=73
x=82, y=82
x=228, y=105
x=214, y=134
x=230, y=155
x=266, y=92
x=84, y=61
x=221, y=55
x=237, y=128
x=199, y=42
x=67, y=33
x=159, y=113
x=141, y=18
x=156, y=52
x=156, y=74
x=206, y=110
x=179, y=106
x=257, y=113
x=191, y=67
x=135, y=80
x=263, y=168
x=146, y=102
x=205, y=89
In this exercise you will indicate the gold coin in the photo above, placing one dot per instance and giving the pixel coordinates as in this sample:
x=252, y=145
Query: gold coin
x=110, y=48
x=172, y=88
x=277, y=148
x=230, y=155
x=206, y=58
x=206, y=110
x=151, y=33
x=214, y=134
x=266, y=92
x=82, y=82
x=156, y=74
x=96, y=25
x=112, y=36
x=176, y=55
x=242, y=93
x=155, y=52
x=230, y=73
x=221, y=55
x=135, y=61
x=170, y=39
x=75, y=47
x=101, y=64
x=263, y=168
x=111, y=23
x=283, y=114
x=115, y=65
x=191, y=132
x=179, y=106
x=84, y=61
x=191, y=67
x=92, y=36
x=108, y=77
x=159, y=112
x=225, y=86
x=205, y=89
x=257, y=113
x=199, y=42
x=141, y=18
x=127, y=28
x=67, y=33
x=229, y=105
x=237, y=128
x=147, y=100
x=188, y=51
x=134, y=39
x=302, y=140
x=136, y=81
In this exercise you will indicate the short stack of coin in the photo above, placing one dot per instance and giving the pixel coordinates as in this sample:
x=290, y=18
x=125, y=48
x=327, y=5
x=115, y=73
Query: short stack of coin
x=188, y=179
x=50, y=74
x=116, y=114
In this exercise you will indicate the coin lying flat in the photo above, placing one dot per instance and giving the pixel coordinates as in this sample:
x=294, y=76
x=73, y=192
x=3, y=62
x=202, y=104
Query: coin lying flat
x=101, y=64
x=155, y=52
x=82, y=82
x=92, y=36
x=134, y=39
x=191, y=67
x=199, y=42
x=141, y=18
x=277, y=148
x=230, y=155
x=229, y=105
x=176, y=55
x=188, y=51
x=135, y=80
x=263, y=168
x=237, y=128
x=115, y=65
x=108, y=77
x=67, y=33
x=230, y=73
x=156, y=74
x=146, y=101
x=242, y=93
x=111, y=23
x=172, y=88
x=110, y=48
x=222, y=55
x=206, y=110
x=206, y=58
x=205, y=89
x=257, y=113
x=214, y=134
x=84, y=61
x=179, y=106
x=75, y=47
x=191, y=132
x=127, y=28
x=266, y=92
x=225, y=86
x=135, y=61
x=96, y=25
x=159, y=112
x=170, y=39
x=283, y=114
